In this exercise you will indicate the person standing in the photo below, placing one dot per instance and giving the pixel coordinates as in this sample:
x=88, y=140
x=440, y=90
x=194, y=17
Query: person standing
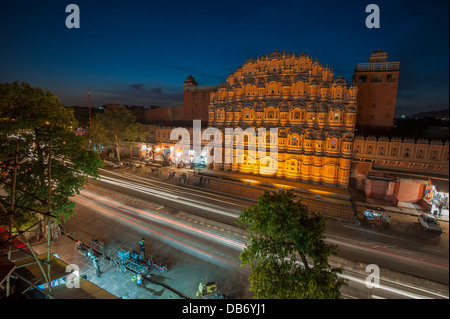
x=96, y=265
x=142, y=248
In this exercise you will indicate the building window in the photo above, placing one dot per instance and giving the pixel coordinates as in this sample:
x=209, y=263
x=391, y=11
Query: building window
x=376, y=78
x=362, y=79
x=390, y=77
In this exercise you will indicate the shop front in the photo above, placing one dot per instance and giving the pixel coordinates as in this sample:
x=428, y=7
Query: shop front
x=436, y=197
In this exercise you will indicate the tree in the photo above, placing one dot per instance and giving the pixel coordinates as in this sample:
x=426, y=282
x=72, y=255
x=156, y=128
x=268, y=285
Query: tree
x=41, y=126
x=113, y=127
x=43, y=162
x=282, y=231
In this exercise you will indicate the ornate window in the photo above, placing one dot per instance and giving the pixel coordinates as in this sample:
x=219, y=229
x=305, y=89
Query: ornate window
x=336, y=116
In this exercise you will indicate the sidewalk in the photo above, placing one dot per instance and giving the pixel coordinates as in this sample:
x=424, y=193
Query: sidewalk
x=111, y=280
x=404, y=208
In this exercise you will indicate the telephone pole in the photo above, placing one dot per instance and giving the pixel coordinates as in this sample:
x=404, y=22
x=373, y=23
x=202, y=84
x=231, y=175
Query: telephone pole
x=89, y=104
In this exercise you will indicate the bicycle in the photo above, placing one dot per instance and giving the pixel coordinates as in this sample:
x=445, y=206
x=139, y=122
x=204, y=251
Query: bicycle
x=117, y=263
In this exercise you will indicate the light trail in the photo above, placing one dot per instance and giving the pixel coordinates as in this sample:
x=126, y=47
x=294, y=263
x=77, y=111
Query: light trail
x=117, y=205
x=167, y=196
x=384, y=287
x=190, y=202
x=175, y=188
x=109, y=212
x=392, y=253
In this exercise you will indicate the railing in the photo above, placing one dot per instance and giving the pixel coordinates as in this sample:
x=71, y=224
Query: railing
x=378, y=66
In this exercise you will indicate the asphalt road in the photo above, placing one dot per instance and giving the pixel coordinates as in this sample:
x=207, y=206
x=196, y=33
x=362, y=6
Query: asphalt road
x=212, y=255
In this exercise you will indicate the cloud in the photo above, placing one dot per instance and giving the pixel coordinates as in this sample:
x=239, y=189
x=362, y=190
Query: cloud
x=140, y=87
x=136, y=94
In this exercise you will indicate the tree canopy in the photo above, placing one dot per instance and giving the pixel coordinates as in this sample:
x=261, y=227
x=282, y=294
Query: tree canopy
x=287, y=252
x=35, y=131
x=113, y=127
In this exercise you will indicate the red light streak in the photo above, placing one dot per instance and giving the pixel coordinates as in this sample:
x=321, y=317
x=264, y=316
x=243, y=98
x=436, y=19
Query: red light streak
x=155, y=232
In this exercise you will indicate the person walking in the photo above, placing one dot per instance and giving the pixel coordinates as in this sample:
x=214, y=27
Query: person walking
x=96, y=265
x=142, y=248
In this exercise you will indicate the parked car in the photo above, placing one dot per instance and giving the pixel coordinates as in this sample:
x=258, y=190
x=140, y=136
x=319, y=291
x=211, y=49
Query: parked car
x=430, y=224
x=113, y=163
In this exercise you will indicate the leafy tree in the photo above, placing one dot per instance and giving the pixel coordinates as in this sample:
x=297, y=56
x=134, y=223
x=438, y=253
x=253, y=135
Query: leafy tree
x=113, y=127
x=43, y=162
x=37, y=128
x=282, y=233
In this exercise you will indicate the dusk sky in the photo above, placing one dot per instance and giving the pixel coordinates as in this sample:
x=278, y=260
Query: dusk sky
x=140, y=52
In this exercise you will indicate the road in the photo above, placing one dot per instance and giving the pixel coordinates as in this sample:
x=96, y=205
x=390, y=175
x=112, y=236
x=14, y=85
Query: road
x=214, y=254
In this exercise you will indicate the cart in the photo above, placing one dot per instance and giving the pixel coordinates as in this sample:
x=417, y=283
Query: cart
x=125, y=261
x=376, y=218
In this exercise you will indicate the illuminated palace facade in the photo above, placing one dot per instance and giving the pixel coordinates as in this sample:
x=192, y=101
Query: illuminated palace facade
x=315, y=115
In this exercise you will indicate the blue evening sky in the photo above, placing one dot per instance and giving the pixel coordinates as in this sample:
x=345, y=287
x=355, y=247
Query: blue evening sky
x=140, y=52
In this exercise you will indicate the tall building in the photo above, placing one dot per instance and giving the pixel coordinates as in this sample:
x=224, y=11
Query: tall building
x=195, y=107
x=315, y=115
x=377, y=83
x=196, y=100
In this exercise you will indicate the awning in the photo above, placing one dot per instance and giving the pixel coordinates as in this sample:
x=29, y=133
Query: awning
x=440, y=185
x=380, y=178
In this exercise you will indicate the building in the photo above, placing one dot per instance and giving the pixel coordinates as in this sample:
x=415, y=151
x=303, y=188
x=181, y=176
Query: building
x=392, y=168
x=377, y=83
x=398, y=169
x=195, y=107
x=196, y=99
x=315, y=115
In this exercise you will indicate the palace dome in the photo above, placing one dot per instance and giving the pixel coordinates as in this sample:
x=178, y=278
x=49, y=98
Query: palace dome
x=275, y=55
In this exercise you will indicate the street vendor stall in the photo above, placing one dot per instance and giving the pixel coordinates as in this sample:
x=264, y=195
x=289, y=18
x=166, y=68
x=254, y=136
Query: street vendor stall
x=436, y=196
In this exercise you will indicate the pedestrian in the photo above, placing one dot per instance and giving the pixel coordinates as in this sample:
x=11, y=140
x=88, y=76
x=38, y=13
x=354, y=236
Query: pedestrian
x=142, y=248
x=139, y=279
x=96, y=265
x=78, y=245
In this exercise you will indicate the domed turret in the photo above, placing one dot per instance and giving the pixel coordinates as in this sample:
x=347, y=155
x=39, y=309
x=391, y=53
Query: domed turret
x=378, y=56
x=190, y=82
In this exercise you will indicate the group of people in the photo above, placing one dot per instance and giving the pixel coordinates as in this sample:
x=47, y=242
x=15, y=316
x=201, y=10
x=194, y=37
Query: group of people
x=90, y=255
x=95, y=261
